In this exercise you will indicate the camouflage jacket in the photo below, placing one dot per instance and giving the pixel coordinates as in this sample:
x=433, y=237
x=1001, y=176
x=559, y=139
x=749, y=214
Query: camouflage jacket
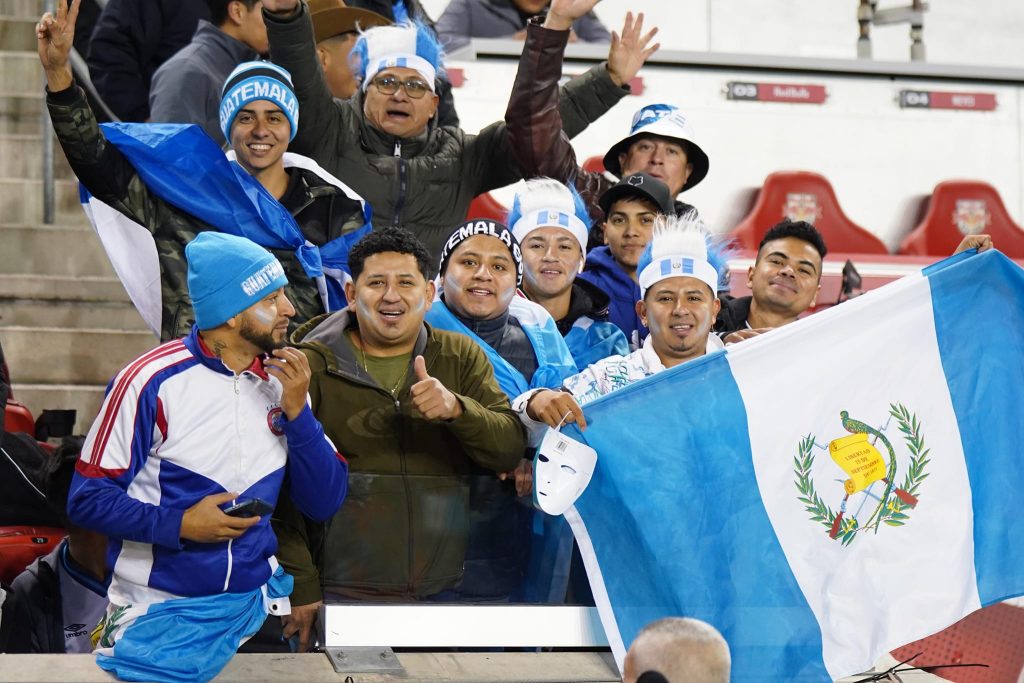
x=320, y=209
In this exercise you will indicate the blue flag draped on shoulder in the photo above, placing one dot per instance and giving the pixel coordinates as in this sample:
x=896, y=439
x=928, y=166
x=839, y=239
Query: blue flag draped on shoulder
x=826, y=492
x=181, y=165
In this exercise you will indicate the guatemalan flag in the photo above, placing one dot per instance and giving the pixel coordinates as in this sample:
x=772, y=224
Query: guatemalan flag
x=719, y=482
x=184, y=167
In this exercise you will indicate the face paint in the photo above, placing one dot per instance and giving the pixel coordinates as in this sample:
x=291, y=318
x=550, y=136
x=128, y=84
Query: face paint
x=264, y=317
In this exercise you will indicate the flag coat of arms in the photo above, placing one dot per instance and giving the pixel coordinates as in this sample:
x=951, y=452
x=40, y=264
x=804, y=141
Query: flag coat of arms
x=828, y=491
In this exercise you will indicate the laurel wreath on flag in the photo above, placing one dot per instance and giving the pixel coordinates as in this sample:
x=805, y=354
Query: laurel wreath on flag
x=896, y=511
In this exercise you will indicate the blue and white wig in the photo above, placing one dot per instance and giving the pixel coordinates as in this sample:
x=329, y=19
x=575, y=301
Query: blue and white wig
x=682, y=247
x=547, y=203
x=411, y=44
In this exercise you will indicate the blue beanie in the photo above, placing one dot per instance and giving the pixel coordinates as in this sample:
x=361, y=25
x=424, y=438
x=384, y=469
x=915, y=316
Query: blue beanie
x=251, y=81
x=228, y=274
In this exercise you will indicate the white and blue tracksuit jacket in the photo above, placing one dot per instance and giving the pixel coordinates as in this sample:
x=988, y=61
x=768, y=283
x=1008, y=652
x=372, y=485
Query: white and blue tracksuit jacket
x=176, y=426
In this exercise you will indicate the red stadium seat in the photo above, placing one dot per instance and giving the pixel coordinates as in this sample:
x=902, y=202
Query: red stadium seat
x=20, y=545
x=594, y=165
x=990, y=636
x=804, y=196
x=18, y=418
x=486, y=206
x=964, y=207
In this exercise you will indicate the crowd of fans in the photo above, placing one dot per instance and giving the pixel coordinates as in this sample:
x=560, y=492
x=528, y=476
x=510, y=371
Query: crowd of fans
x=434, y=358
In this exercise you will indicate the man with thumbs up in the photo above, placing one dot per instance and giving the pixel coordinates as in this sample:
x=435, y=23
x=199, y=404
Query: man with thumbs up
x=414, y=408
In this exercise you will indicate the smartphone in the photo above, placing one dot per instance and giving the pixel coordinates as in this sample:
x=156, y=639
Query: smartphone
x=254, y=507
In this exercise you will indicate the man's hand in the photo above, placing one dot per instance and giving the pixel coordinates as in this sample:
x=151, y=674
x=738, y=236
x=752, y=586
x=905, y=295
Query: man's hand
x=561, y=13
x=301, y=621
x=430, y=397
x=979, y=242
x=741, y=335
x=628, y=53
x=555, y=408
x=282, y=7
x=54, y=37
x=205, y=522
x=523, y=474
x=292, y=368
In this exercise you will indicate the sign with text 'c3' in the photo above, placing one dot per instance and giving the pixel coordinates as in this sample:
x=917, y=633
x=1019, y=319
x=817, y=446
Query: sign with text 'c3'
x=798, y=93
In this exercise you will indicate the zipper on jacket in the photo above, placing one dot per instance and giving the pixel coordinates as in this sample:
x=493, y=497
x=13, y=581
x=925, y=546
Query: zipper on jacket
x=227, y=578
x=403, y=183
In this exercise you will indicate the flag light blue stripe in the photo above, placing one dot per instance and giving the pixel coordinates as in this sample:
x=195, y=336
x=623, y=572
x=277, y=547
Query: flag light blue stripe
x=979, y=324
x=703, y=469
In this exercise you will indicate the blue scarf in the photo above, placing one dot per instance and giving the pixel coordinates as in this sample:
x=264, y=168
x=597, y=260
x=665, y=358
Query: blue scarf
x=554, y=362
x=181, y=165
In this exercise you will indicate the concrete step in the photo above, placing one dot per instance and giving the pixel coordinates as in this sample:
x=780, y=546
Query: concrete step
x=18, y=32
x=60, y=355
x=52, y=250
x=61, y=288
x=20, y=113
x=23, y=157
x=70, y=314
x=28, y=9
x=20, y=73
x=22, y=201
x=84, y=399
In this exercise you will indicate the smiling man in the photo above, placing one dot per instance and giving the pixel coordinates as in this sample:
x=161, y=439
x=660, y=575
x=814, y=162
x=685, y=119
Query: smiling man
x=418, y=410
x=551, y=223
x=258, y=114
x=678, y=277
x=784, y=282
x=481, y=267
x=631, y=208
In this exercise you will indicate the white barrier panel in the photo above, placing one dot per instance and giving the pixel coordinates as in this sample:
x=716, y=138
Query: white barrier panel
x=461, y=626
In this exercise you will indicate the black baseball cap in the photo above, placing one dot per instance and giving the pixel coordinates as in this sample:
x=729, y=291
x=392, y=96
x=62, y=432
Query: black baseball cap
x=639, y=185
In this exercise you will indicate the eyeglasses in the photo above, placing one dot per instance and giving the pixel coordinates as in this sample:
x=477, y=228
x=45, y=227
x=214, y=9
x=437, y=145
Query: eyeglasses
x=388, y=85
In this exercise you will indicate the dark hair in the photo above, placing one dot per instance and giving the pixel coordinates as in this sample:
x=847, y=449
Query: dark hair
x=398, y=240
x=219, y=9
x=802, y=230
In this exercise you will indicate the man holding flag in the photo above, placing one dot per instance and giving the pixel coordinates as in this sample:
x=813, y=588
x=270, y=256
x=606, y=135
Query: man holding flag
x=819, y=525
x=154, y=187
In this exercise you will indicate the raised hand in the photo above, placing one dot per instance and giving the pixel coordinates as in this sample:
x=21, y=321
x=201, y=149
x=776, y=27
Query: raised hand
x=561, y=13
x=430, y=397
x=630, y=51
x=205, y=522
x=292, y=368
x=54, y=38
x=979, y=242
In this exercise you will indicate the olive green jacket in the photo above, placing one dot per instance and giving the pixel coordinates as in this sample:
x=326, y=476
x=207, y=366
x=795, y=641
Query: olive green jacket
x=401, y=533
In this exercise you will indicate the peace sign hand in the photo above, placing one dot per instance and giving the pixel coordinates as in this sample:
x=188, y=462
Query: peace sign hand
x=54, y=37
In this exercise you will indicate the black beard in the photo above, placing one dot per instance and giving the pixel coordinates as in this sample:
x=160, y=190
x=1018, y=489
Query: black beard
x=264, y=341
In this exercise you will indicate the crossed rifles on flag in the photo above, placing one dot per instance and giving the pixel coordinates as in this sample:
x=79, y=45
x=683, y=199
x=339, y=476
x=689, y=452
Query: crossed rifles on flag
x=864, y=465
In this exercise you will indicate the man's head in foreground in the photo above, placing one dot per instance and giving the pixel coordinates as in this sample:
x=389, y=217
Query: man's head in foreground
x=336, y=28
x=390, y=292
x=682, y=650
x=237, y=292
x=786, y=277
x=481, y=268
x=678, y=277
x=660, y=143
x=397, y=67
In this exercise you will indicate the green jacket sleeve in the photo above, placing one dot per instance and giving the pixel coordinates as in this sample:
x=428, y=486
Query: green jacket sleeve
x=489, y=431
x=99, y=165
